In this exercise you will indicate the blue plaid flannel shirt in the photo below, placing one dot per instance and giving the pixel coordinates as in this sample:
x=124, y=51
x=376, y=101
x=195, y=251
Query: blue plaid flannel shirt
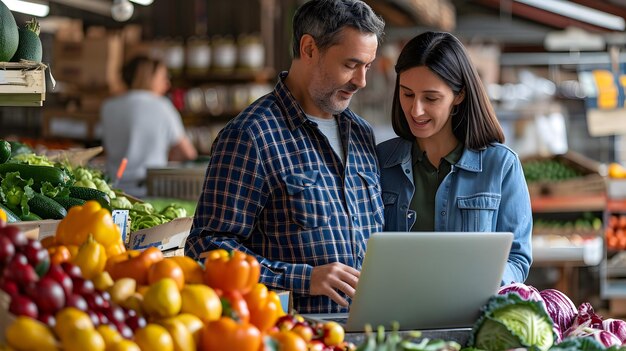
x=274, y=188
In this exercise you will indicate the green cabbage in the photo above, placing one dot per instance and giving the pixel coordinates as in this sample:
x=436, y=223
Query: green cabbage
x=508, y=322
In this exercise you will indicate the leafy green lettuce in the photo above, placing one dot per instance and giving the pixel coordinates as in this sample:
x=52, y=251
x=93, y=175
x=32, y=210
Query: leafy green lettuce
x=15, y=192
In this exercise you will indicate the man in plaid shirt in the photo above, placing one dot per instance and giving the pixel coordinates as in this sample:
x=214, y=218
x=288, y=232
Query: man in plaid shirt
x=294, y=179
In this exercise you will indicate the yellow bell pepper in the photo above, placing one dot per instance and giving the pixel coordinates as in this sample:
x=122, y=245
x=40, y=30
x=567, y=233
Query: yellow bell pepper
x=3, y=216
x=81, y=221
x=91, y=258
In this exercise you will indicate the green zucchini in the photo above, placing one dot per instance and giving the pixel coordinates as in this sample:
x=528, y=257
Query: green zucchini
x=87, y=194
x=69, y=202
x=5, y=151
x=46, y=208
x=11, y=217
x=39, y=174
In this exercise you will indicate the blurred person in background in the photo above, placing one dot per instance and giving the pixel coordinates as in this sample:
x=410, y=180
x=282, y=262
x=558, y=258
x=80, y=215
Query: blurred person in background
x=293, y=179
x=448, y=170
x=143, y=126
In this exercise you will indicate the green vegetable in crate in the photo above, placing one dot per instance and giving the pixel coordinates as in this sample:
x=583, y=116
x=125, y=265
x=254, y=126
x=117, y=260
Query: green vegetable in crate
x=143, y=207
x=548, y=170
x=509, y=322
x=39, y=174
x=121, y=203
x=68, y=202
x=81, y=173
x=174, y=211
x=5, y=151
x=90, y=194
x=29, y=46
x=9, y=35
x=86, y=183
x=102, y=185
x=30, y=158
x=30, y=217
x=15, y=192
x=46, y=208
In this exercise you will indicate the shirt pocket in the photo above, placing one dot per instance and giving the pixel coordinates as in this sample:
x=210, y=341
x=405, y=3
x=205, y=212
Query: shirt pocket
x=372, y=182
x=309, y=205
x=477, y=212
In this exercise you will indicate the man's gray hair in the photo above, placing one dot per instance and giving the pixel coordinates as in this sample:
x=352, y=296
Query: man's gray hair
x=324, y=20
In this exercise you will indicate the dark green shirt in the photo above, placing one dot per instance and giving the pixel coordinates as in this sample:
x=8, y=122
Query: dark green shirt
x=427, y=179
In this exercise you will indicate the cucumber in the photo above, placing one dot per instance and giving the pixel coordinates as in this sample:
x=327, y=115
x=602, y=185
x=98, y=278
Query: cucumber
x=30, y=217
x=87, y=194
x=39, y=174
x=69, y=202
x=11, y=217
x=5, y=151
x=46, y=208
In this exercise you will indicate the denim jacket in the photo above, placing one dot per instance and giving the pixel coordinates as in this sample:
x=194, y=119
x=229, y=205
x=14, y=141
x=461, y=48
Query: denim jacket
x=485, y=191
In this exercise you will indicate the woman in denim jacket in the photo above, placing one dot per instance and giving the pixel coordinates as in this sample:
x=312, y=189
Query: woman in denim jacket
x=448, y=170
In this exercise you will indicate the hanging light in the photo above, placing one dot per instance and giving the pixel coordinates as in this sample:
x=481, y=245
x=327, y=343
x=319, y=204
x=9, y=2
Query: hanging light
x=143, y=2
x=27, y=7
x=122, y=10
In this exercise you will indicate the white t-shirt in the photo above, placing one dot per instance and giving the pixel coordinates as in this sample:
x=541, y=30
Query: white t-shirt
x=330, y=128
x=142, y=127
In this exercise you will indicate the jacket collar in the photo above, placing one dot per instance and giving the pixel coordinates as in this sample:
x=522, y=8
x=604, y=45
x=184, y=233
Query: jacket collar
x=471, y=160
x=293, y=112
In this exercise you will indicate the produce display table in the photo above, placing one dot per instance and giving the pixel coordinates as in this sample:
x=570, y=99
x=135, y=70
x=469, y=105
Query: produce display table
x=460, y=335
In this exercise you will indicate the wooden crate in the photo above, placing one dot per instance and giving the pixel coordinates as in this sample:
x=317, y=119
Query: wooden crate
x=591, y=182
x=22, y=83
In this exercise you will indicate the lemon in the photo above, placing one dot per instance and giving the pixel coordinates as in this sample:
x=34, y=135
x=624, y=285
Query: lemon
x=154, y=337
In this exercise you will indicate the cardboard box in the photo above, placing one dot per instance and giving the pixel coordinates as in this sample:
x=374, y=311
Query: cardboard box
x=167, y=236
x=94, y=63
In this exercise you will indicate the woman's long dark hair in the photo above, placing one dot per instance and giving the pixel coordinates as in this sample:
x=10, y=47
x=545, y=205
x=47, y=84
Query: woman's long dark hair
x=474, y=122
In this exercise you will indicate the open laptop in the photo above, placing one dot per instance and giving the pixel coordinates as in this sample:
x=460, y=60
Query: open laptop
x=426, y=280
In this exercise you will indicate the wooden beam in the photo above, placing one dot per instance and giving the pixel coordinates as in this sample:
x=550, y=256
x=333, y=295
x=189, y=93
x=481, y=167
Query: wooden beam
x=547, y=18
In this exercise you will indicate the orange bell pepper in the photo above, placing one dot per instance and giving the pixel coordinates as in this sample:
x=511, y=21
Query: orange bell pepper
x=230, y=271
x=264, y=306
x=133, y=264
x=90, y=218
x=234, y=306
x=225, y=334
x=59, y=254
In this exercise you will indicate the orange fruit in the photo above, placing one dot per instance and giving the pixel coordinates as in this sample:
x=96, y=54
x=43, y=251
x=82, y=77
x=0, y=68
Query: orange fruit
x=166, y=269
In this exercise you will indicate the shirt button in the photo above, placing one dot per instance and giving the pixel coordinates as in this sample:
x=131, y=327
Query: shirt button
x=403, y=207
x=443, y=213
x=354, y=218
x=407, y=171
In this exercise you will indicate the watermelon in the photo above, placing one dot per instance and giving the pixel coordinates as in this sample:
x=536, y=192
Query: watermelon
x=9, y=37
x=29, y=47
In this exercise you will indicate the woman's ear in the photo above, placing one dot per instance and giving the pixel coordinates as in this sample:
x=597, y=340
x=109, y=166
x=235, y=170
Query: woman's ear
x=459, y=97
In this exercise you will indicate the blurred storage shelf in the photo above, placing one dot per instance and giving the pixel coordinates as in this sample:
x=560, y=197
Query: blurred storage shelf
x=577, y=203
x=549, y=249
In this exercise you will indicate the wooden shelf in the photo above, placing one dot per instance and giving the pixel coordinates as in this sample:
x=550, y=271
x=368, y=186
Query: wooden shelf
x=236, y=76
x=596, y=202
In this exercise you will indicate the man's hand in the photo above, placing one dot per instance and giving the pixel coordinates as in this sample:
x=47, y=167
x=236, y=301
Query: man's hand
x=328, y=278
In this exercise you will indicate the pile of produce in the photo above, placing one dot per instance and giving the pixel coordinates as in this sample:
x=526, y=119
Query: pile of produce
x=81, y=290
x=33, y=188
x=550, y=170
x=615, y=232
x=18, y=43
